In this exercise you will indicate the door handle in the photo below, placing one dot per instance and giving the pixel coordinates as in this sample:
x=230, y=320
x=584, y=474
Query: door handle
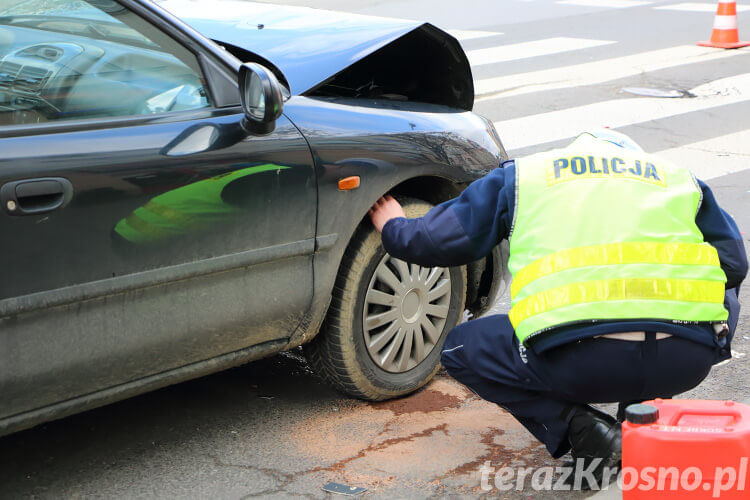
x=35, y=196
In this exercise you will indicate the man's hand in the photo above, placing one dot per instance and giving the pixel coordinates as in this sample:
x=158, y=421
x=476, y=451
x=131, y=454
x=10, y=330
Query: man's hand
x=385, y=209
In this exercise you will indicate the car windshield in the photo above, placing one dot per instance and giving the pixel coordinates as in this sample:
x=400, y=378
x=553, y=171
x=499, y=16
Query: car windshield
x=93, y=18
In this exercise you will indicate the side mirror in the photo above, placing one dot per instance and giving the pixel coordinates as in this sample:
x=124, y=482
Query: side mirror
x=261, y=97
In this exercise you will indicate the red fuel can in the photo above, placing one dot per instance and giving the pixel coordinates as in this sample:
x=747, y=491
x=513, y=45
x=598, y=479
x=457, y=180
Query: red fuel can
x=686, y=449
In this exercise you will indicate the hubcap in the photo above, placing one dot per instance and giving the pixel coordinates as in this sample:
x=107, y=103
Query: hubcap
x=405, y=311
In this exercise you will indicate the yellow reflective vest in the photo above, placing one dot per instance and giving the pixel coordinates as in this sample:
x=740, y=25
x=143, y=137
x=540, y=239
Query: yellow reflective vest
x=602, y=233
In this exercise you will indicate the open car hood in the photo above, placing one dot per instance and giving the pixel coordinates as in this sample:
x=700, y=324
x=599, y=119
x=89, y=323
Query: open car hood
x=318, y=51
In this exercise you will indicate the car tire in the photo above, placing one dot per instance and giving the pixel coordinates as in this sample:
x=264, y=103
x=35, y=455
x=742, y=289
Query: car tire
x=340, y=353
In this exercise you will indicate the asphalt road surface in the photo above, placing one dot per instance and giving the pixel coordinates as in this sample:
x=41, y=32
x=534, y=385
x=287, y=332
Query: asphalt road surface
x=544, y=70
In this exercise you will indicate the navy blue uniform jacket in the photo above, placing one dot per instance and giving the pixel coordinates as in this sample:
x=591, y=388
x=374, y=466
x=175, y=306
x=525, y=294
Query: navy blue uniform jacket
x=466, y=229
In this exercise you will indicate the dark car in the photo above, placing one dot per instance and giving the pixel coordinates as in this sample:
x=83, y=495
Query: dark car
x=186, y=192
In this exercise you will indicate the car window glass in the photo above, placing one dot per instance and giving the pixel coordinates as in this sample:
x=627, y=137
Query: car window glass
x=74, y=59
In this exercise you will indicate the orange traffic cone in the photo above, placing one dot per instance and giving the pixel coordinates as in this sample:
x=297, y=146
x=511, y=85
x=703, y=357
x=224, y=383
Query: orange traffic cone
x=725, y=34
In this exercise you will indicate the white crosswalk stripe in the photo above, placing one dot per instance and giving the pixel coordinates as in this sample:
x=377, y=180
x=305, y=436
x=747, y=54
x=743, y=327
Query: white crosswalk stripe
x=541, y=128
x=613, y=4
x=464, y=35
x=697, y=7
x=598, y=71
x=536, y=48
x=713, y=157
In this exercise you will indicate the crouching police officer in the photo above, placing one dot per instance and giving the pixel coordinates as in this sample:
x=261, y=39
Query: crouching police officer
x=625, y=281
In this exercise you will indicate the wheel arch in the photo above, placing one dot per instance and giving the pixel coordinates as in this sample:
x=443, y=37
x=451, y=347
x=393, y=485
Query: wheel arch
x=430, y=188
x=487, y=277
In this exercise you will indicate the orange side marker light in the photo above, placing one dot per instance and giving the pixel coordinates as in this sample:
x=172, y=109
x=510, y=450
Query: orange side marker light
x=348, y=183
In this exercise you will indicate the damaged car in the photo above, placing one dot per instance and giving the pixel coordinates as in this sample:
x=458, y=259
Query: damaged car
x=185, y=186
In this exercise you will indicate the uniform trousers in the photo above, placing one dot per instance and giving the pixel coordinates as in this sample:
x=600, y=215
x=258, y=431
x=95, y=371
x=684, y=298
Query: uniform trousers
x=540, y=389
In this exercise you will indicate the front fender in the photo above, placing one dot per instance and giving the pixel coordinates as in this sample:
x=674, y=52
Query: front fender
x=386, y=144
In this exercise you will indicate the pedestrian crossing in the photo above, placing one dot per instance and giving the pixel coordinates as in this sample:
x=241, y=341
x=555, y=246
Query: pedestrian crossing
x=560, y=101
x=591, y=73
x=524, y=50
x=548, y=127
x=714, y=157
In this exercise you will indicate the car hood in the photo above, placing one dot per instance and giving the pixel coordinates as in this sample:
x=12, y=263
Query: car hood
x=307, y=45
x=311, y=46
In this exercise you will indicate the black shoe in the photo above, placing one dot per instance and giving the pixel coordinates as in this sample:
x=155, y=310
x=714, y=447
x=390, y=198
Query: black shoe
x=592, y=436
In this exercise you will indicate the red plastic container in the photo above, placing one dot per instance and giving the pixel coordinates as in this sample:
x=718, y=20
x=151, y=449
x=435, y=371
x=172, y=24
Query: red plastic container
x=694, y=449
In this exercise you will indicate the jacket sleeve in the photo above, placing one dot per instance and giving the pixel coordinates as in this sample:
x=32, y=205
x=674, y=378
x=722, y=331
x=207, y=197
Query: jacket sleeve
x=458, y=231
x=720, y=230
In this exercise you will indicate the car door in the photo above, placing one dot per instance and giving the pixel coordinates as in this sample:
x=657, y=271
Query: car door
x=144, y=229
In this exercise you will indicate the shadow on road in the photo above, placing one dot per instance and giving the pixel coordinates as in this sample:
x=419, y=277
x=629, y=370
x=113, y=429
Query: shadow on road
x=267, y=428
x=170, y=420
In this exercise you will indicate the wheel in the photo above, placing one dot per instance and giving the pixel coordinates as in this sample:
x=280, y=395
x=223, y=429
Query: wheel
x=387, y=320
